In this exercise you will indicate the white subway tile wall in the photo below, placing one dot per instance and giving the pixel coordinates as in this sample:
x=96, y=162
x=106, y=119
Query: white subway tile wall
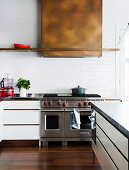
x=59, y=75
x=20, y=23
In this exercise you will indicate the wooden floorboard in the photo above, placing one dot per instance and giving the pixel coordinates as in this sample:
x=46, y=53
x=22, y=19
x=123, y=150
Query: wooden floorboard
x=48, y=158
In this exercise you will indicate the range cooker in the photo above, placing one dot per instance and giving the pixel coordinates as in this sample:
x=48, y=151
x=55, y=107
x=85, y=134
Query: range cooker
x=55, y=120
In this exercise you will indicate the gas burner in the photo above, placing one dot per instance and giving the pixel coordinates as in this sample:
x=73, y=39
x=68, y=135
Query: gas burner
x=50, y=95
x=70, y=95
x=86, y=95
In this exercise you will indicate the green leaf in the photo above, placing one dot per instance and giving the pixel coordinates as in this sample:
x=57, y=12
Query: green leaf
x=23, y=83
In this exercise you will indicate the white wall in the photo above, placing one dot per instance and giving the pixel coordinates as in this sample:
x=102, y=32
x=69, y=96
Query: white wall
x=20, y=23
x=124, y=66
x=122, y=19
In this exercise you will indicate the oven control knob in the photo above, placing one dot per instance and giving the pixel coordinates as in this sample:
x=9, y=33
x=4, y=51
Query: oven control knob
x=89, y=103
x=50, y=103
x=64, y=104
x=45, y=103
x=59, y=103
x=80, y=104
x=85, y=103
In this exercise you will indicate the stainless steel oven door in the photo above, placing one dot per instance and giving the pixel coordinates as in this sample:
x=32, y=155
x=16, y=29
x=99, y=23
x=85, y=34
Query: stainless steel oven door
x=52, y=121
x=85, y=126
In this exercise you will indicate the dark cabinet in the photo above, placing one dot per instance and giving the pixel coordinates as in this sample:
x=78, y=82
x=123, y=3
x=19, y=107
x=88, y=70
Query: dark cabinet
x=72, y=28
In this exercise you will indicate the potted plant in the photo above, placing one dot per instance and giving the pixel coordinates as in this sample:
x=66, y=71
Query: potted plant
x=23, y=85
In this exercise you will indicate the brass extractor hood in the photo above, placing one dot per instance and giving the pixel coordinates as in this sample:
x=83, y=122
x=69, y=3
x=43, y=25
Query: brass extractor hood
x=71, y=28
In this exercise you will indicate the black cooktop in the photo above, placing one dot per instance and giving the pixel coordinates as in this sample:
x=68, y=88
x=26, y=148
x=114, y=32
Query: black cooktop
x=70, y=95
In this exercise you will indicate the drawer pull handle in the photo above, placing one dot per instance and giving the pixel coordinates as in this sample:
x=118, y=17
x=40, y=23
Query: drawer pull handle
x=84, y=133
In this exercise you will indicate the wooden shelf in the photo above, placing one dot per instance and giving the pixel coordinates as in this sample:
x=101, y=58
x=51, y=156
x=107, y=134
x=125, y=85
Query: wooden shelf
x=54, y=49
x=110, y=49
x=21, y=49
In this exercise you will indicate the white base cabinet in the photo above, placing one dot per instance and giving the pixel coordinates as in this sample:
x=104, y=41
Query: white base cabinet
x=21, y=105
x=21, y=120
x=115, y=155
x=21, y=117
x=104, y=160
x=111, y=146
x=1, y=121
x=21, y=132
x=117, y=137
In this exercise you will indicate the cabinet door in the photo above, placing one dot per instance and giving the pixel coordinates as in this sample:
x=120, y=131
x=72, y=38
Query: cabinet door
x=1, y=121
x=71, y=27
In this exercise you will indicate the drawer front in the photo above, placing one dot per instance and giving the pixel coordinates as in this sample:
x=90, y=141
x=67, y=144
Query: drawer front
x=21, y=132
x=103, y=158
x=1, y=125
x=21, y=116
x=1, y=121
x=1, y=105
x=21, y=104
x=119, y=160
x=117, y=137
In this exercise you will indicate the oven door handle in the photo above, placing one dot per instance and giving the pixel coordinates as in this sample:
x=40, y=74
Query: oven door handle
x=80, y=110
x=92, y=118
x=52, y=110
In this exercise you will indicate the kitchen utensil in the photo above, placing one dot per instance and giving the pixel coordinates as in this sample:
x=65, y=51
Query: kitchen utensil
x=1, y=89
x=10, y=92
x=8, y=80
x=78, y=90
x=21, y=46
x=6, y=89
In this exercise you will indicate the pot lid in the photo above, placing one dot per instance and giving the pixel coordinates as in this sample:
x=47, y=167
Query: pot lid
x=76, y=88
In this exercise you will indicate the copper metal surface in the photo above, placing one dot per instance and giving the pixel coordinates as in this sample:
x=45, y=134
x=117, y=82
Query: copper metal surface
x=72, y=24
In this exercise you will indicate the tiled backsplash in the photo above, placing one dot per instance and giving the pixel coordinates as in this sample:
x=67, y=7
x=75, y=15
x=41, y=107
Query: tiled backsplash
x=59, y=75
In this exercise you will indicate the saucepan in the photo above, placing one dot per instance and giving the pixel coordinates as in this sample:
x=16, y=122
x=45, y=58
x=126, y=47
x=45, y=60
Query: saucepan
x=78, y=90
